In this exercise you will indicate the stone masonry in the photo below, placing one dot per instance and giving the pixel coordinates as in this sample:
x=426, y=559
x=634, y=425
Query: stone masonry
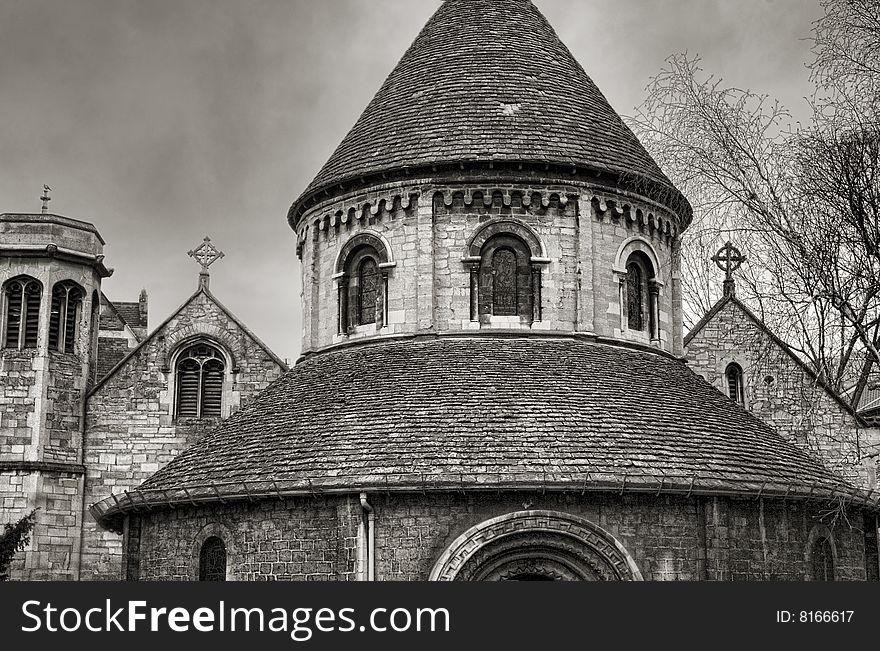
x=131, y=430
x=671, y=538
x=783, y=392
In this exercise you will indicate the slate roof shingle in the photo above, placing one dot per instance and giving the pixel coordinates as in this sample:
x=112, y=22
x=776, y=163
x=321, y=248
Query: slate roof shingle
x=489, y=80
x=484, y=411
x=131, y=313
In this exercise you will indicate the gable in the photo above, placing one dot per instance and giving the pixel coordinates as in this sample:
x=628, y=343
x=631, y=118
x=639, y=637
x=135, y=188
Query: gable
x=779, y=387
x=202, y=315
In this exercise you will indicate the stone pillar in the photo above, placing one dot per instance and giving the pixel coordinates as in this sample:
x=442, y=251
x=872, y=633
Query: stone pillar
x=341, y=303
x=425, y=265
x=586, y=290
x=475, y=291
x=537, y=307
x=677, y=316
x=654, y=309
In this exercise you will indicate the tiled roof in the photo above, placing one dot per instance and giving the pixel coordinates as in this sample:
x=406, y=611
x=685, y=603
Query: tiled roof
x=488, y=411
x=131, y=313
x=489, y=80
x=111, y=351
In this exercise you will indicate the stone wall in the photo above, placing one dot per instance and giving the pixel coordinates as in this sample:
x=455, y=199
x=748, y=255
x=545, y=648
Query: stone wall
x=669, y=537
x=42, y=394
x=782, y=393
x=131, y=430
x=586, y=234
x=296, y=540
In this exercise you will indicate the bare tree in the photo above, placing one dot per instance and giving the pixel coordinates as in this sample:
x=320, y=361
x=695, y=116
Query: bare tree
x=804, y=200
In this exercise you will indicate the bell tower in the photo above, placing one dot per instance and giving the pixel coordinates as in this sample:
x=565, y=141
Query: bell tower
x=51, y=268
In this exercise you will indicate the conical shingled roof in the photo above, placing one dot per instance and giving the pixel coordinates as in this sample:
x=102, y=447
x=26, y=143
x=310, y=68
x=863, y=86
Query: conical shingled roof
x=489, y=80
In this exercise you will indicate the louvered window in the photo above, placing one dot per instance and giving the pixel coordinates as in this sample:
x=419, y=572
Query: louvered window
x=22, y=313
x=64, y=316
x=212, y=560
x=200, y=375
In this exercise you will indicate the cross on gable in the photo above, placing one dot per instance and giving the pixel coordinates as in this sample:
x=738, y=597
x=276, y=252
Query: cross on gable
x=205, y=254
x=728, y=259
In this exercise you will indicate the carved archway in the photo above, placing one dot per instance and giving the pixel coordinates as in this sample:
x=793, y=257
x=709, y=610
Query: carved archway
x=536, y=545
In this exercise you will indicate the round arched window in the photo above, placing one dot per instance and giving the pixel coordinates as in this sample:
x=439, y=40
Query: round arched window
x=734, y=376
x=212, y=560
x=200, y=374
x=822, y=560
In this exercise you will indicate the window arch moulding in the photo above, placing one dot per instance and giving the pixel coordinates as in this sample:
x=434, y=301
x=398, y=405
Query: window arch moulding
x=636, y=251
x=363, y=266
x=506, y=259
x=202, y=391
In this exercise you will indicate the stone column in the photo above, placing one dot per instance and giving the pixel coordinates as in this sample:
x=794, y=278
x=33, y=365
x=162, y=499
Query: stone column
x=475, y=291
x=341, y=303
x=654, y=309
x=586, y=291
x=537, y=307
x=425, y=265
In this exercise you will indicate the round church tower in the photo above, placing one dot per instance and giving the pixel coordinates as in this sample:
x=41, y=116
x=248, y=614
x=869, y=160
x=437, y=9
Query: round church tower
x=490, y=387
x=490, y=187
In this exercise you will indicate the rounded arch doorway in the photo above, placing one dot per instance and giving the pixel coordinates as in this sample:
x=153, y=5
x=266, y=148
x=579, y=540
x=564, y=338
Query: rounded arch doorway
x=536, y=546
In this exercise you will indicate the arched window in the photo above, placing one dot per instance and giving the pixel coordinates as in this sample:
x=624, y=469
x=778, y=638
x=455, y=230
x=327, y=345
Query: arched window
x=506, y=259
x=507, y=283
x=641, y=294
x=734, y=376
x=94, y=330
x=21, y=312
x=504, y=283
x=822, y=558
x=367, y=291
x=362, y=283
x=200, y=373
x=635, y=296
x=67, y=300
x=212, y=560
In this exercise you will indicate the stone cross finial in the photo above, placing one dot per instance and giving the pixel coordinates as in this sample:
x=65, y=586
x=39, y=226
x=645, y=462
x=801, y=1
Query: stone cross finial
x=46, y=198
x=729, y=259
x=206, y=254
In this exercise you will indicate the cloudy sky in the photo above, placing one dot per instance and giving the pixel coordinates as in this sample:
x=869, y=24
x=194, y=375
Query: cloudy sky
x=162, y=121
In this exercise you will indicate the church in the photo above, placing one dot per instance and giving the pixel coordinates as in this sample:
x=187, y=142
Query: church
x=495, y=381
